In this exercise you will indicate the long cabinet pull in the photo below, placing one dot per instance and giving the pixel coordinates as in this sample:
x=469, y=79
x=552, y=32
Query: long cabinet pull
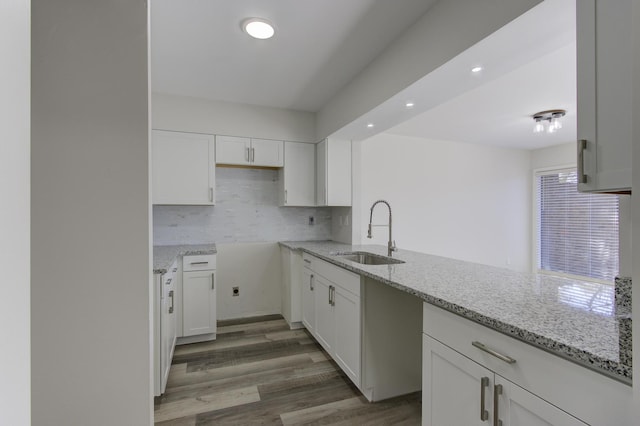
x=211, y=194
x=213, y=281
x=333, y=296
x=490, y=351
x=582, y=146
x=311, y=282
x=246, y=152
x=497, y=391
x=484, y=414
x=253, y=155
x=199, y=263
x=285, y=196
x=330, y=287
x=171, y=307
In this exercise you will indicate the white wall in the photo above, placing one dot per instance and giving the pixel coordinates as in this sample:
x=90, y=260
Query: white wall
x=257, y=270
x=451, y=199
x=446, y=29
x=554, y=156
x=188, y=114
x=90, y=200
x=14, y=214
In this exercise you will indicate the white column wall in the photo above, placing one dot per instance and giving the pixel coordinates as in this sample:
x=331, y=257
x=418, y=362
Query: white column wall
x=90, y=270
x=14, y=214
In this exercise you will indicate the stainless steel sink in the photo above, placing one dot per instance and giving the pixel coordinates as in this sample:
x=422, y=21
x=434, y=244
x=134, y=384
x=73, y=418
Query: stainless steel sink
x=367, y=258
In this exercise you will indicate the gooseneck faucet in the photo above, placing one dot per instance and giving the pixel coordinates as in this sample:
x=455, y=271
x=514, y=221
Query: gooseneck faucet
x=391, y=245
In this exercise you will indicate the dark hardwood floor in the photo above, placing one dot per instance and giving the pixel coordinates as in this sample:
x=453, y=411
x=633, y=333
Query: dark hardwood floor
x=258, y=372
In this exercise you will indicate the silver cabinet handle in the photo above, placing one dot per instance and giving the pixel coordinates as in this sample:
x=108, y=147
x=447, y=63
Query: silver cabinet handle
x=253, y=155
x=307, y=261
x=171, y=307
x=285, y=196
x=213, y=281
x=490, y=351
x=311, y=282
x=199, y=263
x=175, y=269
x=332, y=299
x=497, y=391
x=330, y=287
x=247, y=155
x=582, y=146
x=211, y=194
x=168, y=281
x=484, y=414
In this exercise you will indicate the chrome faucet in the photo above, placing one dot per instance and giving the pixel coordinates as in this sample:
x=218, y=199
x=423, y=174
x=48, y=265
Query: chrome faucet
x=391, y=245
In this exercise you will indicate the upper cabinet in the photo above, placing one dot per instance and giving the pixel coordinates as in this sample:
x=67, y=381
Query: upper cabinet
x=333, y=173
x=297, y=177
x=233, y=150
x=182, y=168
x=605, y=105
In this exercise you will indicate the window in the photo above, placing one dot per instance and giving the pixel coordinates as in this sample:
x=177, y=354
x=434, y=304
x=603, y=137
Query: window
x=577, y=233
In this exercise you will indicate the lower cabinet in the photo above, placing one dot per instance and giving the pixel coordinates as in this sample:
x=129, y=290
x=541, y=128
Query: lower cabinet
x=331, y=312
x=165, y=326
x=291, y=287
x=198, y=298
x=473, y=375
x=459, y=391
x=308, y=300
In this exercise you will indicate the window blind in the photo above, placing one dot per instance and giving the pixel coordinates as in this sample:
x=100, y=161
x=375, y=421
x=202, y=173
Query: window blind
x=577, y=232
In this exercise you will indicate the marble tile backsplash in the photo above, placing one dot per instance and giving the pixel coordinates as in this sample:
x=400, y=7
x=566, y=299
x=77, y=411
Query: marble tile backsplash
x=246, y=210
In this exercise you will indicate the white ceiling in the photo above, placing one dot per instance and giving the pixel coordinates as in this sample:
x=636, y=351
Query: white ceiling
x=198, y=48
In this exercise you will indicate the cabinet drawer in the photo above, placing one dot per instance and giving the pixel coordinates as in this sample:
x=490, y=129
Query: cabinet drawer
x=337, y=275
x=587, y=395
x=202, y=262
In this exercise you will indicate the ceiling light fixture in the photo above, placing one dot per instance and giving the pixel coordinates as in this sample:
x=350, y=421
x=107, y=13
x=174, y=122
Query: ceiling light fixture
x=476, y=70
x=552, y=118
x=258, y=28
x=370, y=125
x=409, y=105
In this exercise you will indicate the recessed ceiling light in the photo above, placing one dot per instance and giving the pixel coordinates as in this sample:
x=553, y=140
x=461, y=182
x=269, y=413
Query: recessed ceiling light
x=409, y=104
x=258, y=28
x=476, y=70
x=370, y=125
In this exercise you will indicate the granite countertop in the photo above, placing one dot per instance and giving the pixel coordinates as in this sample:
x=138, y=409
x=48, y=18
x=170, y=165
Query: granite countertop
x=163, y=256
x=574, y=319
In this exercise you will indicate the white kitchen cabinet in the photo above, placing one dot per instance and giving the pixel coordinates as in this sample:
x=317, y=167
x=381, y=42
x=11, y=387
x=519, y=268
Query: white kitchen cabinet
x=605, y=52
x=291, y=297
x=182, y=168
x=298, y=176
x=459, y=391
x=331, y=307
x=233, y=150
x=308, y=300
x=346, y=353
x=333, y=173
x=453, y=390
x=199, y=297
x=165, y=326
x=535, y=388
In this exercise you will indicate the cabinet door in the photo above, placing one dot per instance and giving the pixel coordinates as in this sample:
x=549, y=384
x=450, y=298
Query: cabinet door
x=347, y=334
x=267, y=152
x=199, y=303
x=232, y=150
x=518, y=407
x=308, y=300
x=338, y=172
x=299, y=174
x=325, y=319
x=168, y=325
x=454, y=388
x=605, y=104
x=321, y=173
x=182, y=168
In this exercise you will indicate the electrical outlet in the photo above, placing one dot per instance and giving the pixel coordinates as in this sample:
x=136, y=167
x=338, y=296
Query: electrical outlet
x=236, y=291
x=312, y=220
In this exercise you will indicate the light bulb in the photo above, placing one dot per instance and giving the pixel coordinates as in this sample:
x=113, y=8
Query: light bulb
x=556, y=123
x=538, y=127
x=551, y=128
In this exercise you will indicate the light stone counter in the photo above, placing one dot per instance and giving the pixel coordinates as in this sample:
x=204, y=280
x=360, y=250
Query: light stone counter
x=163, y=256
x=574, y=319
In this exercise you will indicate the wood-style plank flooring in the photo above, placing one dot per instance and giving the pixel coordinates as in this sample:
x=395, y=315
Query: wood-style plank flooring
x=258, y=371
